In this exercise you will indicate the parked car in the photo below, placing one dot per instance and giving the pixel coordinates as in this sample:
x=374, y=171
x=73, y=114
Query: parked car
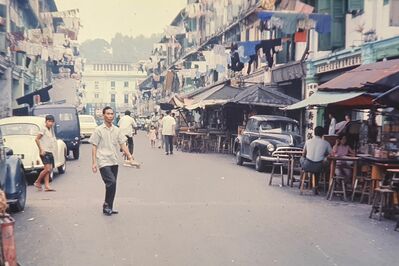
x=263, y=135
x=19, y=133
x=87, y=125
x=67, y=125
x=12, y=178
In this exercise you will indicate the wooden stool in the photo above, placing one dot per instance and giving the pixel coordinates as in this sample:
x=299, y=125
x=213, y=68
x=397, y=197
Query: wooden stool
x=382, y=201
x=276, y=165
x=356, y=188
x=366, y=190
x=338, y=181
x=323, y=179
x=310, y=179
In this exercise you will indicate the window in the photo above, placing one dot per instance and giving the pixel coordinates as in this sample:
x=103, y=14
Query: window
x=19, y=129
x=96, y=85
x=66, y=116
x=355, y=5
x=126, y=84
x=112, y=98
x=96, y=95
x=126, y=98
x=113, y=84
x=394, y=18
x=336, y=8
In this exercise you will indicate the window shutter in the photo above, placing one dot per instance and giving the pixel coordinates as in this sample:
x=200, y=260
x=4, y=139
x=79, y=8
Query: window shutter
x=324, y=40
x=355, y=5
x=338, y=24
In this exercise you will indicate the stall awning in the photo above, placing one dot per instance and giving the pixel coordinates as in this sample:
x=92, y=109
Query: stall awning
x=373, y=77
x=263, y=96
x=29, y=98
x=390, y=98
x=323, y=98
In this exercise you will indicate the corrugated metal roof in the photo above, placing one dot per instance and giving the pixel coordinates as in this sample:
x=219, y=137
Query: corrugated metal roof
x=377, y=76
x=263, y=96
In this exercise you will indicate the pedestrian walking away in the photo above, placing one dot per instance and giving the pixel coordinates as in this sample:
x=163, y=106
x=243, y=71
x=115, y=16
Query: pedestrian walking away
x=46, y=142
x=168, y=131
x=128, y=126
x=160, y=136
x=107, y=140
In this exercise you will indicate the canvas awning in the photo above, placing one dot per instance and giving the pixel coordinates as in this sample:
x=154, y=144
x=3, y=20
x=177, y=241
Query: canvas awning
x=371, y=77
x=217, y=95
x=29, y=98
x=390, y=98
x=323, y=98
x=263, y=96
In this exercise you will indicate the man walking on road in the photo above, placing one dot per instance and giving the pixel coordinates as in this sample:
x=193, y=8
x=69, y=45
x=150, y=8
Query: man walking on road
x=46, y=142
x=107, y=139
x=128, y=125
x=168, y=131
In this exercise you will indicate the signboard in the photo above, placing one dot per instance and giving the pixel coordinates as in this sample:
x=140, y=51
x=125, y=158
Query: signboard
x=355, y=60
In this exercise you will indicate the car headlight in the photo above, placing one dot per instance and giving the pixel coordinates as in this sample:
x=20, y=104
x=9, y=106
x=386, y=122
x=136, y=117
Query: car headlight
x=76, y=138
x=270, y=147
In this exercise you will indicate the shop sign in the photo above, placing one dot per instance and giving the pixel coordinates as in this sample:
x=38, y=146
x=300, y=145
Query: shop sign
x=311, y=114
x=340, y=64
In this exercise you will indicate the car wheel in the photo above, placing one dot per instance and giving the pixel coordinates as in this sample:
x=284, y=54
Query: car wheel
x=239, y=159
x=76, y=153
x=62, y=168
x=259, y=164
x=20, y=204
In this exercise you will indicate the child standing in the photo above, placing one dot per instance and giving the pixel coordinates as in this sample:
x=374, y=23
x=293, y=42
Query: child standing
x=152, y=135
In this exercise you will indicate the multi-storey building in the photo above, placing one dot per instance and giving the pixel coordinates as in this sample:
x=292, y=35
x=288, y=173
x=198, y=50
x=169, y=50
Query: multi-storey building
x=327, y=38
x=34, y=41
x=112, y=84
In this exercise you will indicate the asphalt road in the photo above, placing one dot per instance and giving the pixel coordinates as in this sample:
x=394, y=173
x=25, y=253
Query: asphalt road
x=194, y=209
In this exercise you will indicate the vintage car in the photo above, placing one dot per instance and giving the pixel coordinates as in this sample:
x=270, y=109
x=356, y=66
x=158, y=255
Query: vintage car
x=87, y=125
x=12, y=178
x=19, y=133
x=67, y=126
x=263, y=135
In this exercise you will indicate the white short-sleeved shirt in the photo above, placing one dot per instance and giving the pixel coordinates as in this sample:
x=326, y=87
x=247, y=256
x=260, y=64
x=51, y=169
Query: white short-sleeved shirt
x=108, y=141
x=317, y=149
x=126, y=125
x=48, y=141
x=168, y=125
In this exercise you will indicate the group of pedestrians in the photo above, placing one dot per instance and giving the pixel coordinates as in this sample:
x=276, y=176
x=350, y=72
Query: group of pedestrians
x=164, y=131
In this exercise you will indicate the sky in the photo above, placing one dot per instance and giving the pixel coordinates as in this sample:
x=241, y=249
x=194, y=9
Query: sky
x=104, y=18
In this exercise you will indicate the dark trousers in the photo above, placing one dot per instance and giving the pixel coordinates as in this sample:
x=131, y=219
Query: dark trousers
x=130, y=144
x=168, y=143
x=109, y=175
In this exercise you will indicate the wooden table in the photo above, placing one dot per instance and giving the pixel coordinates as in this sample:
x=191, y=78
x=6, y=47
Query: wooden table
x=290, y=156
x=333, y=165
x=191, y=136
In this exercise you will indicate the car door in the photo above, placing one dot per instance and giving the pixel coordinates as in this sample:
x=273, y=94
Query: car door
x=248, y=136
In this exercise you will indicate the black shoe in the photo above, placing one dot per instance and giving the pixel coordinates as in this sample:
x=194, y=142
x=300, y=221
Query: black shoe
x=171, y=153
x=115, y=212
x=107, y=211
x=167, y=153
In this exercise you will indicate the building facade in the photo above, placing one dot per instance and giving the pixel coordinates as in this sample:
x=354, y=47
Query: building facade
x=35, y=47
x=112, y=84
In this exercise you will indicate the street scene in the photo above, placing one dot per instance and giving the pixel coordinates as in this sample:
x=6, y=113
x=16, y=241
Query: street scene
x=199, y=132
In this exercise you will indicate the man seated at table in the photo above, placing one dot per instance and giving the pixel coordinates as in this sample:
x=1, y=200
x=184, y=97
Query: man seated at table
x=315, y=152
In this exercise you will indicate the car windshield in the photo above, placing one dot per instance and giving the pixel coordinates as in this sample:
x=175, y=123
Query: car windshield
x=19, y=129
x=87, y=119
x=279, y=126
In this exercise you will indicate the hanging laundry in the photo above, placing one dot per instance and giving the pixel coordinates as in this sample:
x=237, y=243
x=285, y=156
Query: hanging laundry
x=252, y=59
x=303, y=8
x=268, y=4
x=236, y=64
x=249, y=47
x=290, y=21
x=269, y=49
x=300, y=36
x=35, y=36
x=265, y=15
x=306, y=24
x=323, y=22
